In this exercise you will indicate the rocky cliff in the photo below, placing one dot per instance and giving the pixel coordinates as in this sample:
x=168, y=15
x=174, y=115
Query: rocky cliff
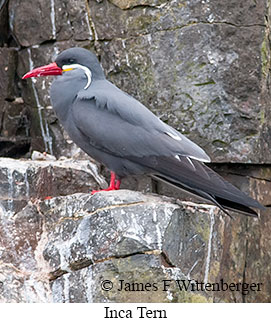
x=120, y=246
x=201, y=66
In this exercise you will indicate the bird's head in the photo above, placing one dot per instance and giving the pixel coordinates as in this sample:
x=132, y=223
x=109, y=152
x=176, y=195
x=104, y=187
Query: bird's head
x=71, y=59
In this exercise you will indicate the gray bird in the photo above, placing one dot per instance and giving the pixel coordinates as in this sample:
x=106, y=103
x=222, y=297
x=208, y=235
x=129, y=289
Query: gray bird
x=121, y=133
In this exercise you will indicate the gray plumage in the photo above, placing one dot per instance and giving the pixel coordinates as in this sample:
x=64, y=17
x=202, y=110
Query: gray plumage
x=121, y=133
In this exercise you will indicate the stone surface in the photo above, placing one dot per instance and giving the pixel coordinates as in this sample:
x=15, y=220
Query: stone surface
x=128, y=4
x=3, y=22
x=61, y=250
x=213, y=85
x=14, y=115
x=49, y=20
x=24, y=180
x=201, y=66
x=7, y=73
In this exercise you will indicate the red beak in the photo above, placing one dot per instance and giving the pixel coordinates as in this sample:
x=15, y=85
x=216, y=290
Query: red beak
x=51, y=69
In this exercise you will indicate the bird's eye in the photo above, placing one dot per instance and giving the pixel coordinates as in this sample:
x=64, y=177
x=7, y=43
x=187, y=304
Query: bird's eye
x=71, y=61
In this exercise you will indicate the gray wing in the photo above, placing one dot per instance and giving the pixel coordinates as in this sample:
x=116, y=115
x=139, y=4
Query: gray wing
x=116, y=123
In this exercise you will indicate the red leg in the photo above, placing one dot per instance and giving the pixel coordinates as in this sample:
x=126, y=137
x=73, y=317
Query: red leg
x=117, y=186
x=114, y=184
x=112, y=180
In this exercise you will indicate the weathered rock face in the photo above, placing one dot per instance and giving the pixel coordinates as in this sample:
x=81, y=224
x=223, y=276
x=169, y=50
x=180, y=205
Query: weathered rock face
x=63, y=249
x=26, y=180
x=14, y=115
x=203, y=67
x=213, y=84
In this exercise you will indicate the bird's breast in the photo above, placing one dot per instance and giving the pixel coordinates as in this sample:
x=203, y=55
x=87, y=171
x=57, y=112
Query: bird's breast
x=64, y=91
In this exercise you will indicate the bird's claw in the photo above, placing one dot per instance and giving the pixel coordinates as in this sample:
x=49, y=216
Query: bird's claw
x=105, y=190
x=114, y=185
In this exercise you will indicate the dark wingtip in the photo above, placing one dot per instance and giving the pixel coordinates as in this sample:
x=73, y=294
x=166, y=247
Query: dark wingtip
x=240, y=208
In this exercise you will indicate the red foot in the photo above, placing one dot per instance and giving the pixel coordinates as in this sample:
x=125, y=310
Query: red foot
x=48, y=197
x=114, y=184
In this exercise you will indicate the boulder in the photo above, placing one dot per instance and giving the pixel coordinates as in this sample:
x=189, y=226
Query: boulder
x=128, y=246
x=24, y=180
